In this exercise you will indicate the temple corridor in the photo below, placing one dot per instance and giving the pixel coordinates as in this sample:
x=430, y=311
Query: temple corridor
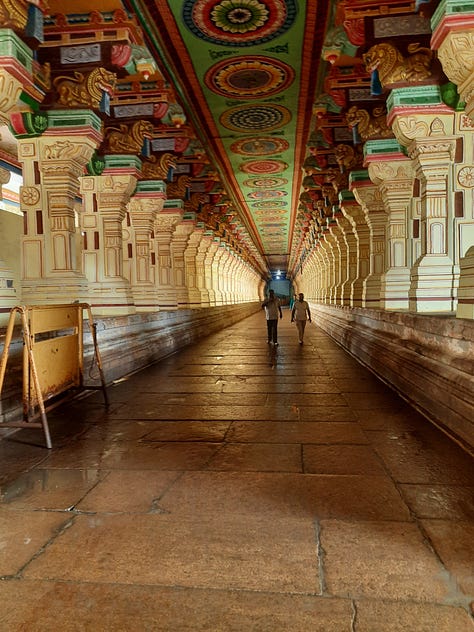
x=237, y=486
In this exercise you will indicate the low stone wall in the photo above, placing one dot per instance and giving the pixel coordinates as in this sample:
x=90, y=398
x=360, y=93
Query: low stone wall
x=127, y=344
x=428, y=360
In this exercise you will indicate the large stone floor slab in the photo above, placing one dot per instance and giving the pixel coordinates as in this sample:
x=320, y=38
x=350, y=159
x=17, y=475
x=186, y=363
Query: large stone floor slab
x=238, y=487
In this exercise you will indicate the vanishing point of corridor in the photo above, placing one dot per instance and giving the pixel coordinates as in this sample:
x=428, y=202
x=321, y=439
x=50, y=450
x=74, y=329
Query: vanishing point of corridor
x=238, y=487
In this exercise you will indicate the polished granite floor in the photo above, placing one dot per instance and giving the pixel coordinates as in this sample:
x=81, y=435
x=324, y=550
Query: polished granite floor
x=238, y=487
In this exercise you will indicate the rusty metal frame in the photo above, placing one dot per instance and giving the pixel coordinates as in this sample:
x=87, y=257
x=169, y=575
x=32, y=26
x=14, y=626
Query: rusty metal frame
x=53, y=361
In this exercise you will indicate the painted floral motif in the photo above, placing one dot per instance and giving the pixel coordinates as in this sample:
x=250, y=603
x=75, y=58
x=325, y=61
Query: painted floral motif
x=466, y=177
x=269, y=183
x=249, y=77
x=257, y=117
x=239, y=17
x=260, y=146
x=264, y=166
x=238, y=22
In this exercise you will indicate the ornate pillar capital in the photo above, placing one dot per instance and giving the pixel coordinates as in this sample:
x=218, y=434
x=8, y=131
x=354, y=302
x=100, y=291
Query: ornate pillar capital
x=453, y=37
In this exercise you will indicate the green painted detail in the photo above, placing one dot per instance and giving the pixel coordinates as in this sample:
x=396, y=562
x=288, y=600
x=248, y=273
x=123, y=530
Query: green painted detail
x=346, y=196
x=358, y=176
x=173, y=204
x=383, y=146
x=421, y=96
x=34, y=124
x=189, y=216
x=450, y=96
x=120, y=161
x=96, y=165
x=12, y=46
x=450, y=7
x=154, y=186
x=74, y=118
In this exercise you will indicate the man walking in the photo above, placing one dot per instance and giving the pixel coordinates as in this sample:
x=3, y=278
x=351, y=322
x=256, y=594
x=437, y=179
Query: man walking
x=272, y=308
x=300, y=313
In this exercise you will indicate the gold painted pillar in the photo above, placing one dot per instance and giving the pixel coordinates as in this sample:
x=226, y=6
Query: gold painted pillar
x=392, y=172
x=105, y=200
x=165, y=224
x=52, y=166
x=143, y=209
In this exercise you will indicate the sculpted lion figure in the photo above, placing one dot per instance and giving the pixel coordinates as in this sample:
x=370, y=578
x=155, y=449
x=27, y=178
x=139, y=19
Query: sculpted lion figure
x=125, y=140
x=392, y=67
x=156, y=168
x=347, y=157
x=85, y=90
x=369, y=126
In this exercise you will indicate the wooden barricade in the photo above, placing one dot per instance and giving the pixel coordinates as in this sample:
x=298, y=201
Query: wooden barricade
x=53, y=361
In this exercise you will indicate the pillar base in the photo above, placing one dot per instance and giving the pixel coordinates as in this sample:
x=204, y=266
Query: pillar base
x=433, y=284
x=395, y=286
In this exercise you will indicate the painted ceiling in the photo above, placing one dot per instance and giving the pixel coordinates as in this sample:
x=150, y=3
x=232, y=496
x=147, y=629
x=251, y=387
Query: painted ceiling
x=242, y=68
x=261, y=101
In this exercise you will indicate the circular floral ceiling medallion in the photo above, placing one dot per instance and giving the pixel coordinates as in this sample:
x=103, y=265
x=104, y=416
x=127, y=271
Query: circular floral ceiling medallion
x=270, y=183
x=238, y=22
x=272, y=204
x=256, y=117
x=273, y=213
x=249, y=78
x=261, y=195
x=260, y=146
x=264, y=166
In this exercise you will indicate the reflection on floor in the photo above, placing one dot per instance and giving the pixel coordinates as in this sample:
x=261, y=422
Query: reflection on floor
x=237, y=486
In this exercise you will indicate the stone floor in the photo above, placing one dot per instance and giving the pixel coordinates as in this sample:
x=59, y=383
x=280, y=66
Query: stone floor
x=238, y=487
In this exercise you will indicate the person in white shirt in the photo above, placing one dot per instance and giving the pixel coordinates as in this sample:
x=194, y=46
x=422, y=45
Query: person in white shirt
x=272, y=308
x=300, y=313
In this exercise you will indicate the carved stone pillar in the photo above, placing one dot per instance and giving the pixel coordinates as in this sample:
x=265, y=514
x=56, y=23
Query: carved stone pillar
x=204, y=245
x=346, y=240
x=190, y=261
x=370, y=201
x=210, y=270
x=8, y=295
x=143, y=209
x=165, y=223
x=105, y=200
x=453, y=37
x=392, y=172
x=217, y=273
x=465, y=308
x=328, y=243
x=348, y=205
x=15, y=71
x=52, y=166
x=427, y=133
x=179, y=242
x=359, y=257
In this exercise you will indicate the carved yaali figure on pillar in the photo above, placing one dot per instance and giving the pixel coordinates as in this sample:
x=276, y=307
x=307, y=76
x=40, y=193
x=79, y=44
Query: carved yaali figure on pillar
x=127, y=140
x=348, y=157
x=392, y=67
x=84, y=90
x=369, y=126
x=178, y=188
x=157, y=167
